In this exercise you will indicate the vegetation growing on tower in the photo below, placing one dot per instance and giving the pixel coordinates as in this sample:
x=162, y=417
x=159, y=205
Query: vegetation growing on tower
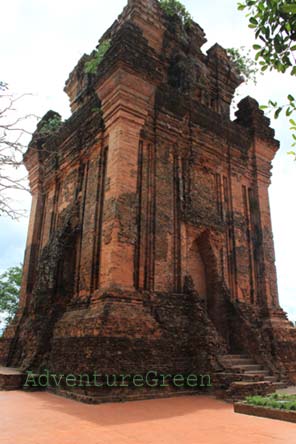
x=98, y=55
x=245, y=65
x=176, y=8
x=51, y=126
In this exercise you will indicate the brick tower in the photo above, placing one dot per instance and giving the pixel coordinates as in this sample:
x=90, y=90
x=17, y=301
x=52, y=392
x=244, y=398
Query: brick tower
x=150, y=242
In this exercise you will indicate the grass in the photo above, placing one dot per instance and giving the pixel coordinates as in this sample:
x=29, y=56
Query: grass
x=275, y=401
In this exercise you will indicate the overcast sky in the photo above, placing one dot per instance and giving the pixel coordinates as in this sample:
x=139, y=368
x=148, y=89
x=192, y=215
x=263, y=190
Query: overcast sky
x=41, y=42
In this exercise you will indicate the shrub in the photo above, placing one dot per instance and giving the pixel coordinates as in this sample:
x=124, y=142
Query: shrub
x=275, y=401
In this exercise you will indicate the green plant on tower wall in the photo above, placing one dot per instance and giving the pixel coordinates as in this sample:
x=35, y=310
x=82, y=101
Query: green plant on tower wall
x=174, y=7
x=91, y=65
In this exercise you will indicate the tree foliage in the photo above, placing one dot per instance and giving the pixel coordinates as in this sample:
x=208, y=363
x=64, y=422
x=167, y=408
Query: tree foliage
x=10, y=284
x=274, y=23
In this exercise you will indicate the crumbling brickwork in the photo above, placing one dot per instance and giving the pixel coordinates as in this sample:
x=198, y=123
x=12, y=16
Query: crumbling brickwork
x=150, y=242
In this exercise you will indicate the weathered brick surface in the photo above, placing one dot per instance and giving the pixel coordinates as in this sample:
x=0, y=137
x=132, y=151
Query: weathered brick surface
x=150, y=241
x=11, y=379
x=240, y=390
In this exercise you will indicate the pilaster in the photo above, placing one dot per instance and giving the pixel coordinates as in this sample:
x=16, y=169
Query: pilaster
x=263, y=151
x=126, y=100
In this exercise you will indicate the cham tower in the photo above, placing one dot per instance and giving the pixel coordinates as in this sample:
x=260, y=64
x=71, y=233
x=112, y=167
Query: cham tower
x=150, y=244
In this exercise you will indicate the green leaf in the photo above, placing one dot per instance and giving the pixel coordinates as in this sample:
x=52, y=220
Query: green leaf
x=290, y=9
x=274, y=104
x=278, y=112
x=253, y=21
x=289, y=112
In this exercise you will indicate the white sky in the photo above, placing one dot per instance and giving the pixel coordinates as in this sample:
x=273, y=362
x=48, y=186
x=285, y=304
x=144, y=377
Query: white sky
x=41, y=42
